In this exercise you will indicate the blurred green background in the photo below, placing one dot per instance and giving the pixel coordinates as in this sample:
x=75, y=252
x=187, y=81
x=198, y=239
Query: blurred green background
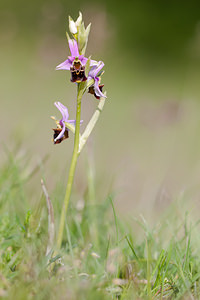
x=146, y=146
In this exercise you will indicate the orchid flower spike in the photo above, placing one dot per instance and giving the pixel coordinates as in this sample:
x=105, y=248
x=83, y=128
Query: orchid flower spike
x=96, y=88
x=75, y=63
x=61, y=132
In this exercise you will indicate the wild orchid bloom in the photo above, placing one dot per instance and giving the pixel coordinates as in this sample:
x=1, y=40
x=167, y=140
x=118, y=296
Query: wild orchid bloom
x=96, y=88
x=75, y=63
x=61, y=132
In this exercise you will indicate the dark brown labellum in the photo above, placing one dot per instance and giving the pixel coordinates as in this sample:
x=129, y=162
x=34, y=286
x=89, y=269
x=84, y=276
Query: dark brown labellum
x=78, y=72
x=91, y=90
x=57, y=132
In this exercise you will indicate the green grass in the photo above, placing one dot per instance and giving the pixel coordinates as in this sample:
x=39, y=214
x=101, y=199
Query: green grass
x=103, y=256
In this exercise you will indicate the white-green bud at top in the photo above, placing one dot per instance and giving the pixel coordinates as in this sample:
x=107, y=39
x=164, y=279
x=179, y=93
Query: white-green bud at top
x=72, y=26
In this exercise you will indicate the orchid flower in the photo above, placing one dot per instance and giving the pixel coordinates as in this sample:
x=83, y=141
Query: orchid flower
x=75, y=63
x=96, y=88
x=61, y=132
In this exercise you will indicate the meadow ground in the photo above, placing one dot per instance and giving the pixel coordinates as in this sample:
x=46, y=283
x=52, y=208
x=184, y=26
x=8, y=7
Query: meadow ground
x=103, y=256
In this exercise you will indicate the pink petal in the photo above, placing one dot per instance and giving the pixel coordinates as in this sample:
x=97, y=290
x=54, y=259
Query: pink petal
x=83, y=59
x=95, y=69
x=63, y=110
x=64, y=65
x=97, y=89
x=73, y=46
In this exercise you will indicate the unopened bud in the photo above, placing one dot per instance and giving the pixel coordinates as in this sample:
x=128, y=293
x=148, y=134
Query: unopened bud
x=72, y=26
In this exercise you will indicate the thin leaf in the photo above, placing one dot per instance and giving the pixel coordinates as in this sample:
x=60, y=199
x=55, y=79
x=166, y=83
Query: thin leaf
x=132, y=249
x=51, y=222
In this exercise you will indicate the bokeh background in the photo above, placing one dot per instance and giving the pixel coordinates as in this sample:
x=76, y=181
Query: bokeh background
x=146, y=146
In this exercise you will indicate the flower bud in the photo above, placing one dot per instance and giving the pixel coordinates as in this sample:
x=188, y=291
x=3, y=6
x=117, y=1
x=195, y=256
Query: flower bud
x=72, y=26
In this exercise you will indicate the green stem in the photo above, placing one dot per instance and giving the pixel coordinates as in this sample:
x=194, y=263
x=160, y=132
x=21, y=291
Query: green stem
x=72, y=169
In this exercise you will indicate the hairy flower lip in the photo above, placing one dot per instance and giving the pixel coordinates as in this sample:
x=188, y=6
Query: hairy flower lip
x=65, y=116
x=57, y=131
x=77, y=72
x=91, y=90
x=61, y=132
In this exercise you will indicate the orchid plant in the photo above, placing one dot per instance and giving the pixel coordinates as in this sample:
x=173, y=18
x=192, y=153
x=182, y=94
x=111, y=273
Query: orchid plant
x=86, y=74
